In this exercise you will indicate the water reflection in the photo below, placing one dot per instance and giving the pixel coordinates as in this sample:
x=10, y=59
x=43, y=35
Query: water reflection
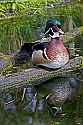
x=67, y=89
x=30, y=99
x=58, y=91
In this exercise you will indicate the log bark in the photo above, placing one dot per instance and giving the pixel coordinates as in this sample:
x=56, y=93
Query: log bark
x=34, y=76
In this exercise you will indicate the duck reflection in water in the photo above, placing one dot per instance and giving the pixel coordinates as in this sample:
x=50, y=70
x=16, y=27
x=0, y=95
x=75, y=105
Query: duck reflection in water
x=58, y=92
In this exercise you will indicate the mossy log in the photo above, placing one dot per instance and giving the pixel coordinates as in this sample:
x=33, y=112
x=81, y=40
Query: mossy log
x=34, y=76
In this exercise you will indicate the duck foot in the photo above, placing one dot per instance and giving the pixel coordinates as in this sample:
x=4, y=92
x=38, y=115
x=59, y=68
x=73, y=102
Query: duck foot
x=54, y=111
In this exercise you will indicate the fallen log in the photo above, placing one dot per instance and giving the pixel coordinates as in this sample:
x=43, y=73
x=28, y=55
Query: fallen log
x=34, y=76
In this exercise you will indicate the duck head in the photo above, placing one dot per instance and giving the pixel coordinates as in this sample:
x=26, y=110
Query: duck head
x=54, y=32
x=53, y=28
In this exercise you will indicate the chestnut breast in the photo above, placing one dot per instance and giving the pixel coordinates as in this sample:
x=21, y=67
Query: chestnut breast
x=56, y=48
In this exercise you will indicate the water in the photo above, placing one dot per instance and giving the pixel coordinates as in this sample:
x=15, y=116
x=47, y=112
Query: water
x=72, y=106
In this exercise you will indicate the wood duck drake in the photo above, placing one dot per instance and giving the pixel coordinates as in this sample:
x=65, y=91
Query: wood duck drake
x=54, y=54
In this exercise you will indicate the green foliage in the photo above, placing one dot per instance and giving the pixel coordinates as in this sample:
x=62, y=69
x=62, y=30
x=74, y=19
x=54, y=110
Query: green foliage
x=18, y=30
x=24, y=20
x=21, y=7
x=31, y=7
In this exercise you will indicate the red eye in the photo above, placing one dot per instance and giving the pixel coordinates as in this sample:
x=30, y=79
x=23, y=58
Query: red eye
x=55, y=28
x=59, y=26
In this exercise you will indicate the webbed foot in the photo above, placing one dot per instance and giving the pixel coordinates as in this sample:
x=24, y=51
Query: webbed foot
x=54, y=111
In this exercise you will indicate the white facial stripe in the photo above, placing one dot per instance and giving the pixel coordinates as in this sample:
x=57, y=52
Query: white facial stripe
x=56, y=34
x=60, y=31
